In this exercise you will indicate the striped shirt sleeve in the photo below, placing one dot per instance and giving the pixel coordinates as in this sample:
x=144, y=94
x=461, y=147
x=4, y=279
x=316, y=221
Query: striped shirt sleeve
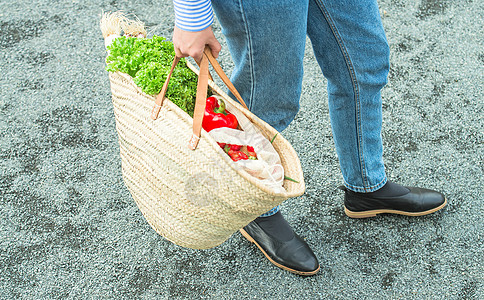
x=193, y=15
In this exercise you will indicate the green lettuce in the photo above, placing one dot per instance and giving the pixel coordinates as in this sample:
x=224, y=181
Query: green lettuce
x=148, y=62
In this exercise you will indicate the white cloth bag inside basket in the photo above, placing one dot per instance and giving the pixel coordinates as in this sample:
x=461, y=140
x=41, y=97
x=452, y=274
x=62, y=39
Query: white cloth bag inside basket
x=267, y=169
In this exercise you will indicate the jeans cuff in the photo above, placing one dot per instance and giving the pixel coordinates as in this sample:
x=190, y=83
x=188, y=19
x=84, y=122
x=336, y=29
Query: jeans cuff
x=270, y=212
x=359, y=189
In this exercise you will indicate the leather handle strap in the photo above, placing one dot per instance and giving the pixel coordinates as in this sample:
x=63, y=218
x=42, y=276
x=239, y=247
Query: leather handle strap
x=200, y=103
x=202, y=87
x=161, y=95
x=216, y=66
x=209, y=75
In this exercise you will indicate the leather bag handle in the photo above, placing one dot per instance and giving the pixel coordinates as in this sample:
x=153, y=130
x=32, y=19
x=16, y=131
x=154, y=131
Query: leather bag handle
x=202, y=87
x=216, y=66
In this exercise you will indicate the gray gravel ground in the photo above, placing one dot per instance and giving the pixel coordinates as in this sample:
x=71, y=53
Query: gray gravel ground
x=69, y=228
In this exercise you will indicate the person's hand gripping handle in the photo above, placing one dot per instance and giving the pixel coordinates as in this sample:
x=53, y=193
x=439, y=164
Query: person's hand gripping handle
x=188, y=43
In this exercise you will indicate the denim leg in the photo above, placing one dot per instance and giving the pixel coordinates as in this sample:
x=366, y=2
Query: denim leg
x=351, y=48
x=270, y=212
x=266, y=40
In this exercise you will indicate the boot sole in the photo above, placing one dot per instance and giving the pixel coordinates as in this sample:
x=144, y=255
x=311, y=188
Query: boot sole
x=250, y=239
x=373, y=213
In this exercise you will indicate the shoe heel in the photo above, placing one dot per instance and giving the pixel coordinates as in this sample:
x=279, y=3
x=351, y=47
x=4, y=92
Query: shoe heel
x=359, y=215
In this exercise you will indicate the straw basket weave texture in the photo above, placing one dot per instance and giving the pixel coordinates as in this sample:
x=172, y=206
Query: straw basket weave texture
x=194, y=198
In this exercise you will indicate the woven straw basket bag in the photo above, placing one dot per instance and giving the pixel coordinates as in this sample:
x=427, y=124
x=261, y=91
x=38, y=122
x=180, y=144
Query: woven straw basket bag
x=188, y=189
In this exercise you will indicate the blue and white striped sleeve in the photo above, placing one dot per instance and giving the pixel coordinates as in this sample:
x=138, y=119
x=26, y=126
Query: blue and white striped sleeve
x=193, y=15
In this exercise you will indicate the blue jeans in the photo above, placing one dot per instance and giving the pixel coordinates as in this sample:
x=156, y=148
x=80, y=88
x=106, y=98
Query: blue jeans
x=267, y=39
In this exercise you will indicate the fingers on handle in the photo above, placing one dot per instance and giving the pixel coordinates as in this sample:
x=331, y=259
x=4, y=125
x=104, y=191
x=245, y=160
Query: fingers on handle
x=215, y=47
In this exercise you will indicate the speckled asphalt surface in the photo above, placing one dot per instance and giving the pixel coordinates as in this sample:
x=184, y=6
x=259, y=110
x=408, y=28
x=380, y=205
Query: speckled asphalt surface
x=69, y=228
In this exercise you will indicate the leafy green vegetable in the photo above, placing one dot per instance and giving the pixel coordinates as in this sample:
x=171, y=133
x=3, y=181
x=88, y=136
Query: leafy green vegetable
x=148, y=61
x=290, y=179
